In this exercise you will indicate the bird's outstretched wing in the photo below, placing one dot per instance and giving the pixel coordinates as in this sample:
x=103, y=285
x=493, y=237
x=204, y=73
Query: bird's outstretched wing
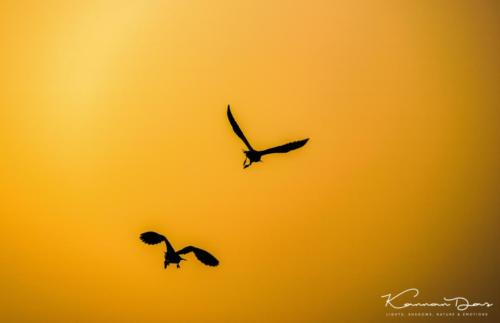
x=236, y=128
x=151, y=237
x=286, y=147
x=202, y=255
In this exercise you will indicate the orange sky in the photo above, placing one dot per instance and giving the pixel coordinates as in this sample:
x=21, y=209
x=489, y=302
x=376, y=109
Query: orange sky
x=113, y=123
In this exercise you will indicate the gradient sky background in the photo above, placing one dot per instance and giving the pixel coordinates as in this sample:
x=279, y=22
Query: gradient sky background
x=112, y=122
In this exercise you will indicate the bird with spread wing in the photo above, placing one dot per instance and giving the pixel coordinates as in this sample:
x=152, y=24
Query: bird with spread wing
x=174, y=257
x=252, y=155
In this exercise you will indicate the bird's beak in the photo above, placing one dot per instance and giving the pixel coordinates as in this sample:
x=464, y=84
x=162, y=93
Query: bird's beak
x=245, y=164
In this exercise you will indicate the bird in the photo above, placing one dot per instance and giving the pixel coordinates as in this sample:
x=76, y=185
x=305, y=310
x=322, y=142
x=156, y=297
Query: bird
x=252, y=155
x=174, y=257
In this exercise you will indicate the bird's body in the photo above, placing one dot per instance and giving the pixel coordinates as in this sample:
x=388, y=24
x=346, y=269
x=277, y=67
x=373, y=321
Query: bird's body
x=172, y=256
x=253, y=155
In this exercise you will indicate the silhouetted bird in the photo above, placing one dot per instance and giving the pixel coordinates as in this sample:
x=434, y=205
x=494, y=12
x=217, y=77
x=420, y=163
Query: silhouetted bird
x=255, y=155
x=172, y=256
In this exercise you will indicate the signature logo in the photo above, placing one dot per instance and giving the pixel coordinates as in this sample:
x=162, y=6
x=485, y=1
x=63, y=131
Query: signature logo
x=459, y=303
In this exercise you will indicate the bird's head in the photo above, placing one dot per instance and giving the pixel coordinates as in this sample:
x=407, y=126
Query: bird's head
x=252, y=157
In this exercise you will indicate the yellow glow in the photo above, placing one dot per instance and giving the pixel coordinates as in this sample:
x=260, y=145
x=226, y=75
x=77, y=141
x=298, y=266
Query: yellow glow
x=113, y=123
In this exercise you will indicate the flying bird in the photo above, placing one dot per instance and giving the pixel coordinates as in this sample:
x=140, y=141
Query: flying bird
x=252, y=155
x=174, y=257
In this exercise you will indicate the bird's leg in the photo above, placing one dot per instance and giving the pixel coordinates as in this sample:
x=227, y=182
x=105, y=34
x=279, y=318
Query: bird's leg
x=178, y=266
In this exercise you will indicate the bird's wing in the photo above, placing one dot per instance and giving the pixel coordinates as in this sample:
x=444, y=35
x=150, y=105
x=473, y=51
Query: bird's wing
x=202, y=255
x=286, y=147
x=236, y=128
x=151, y=237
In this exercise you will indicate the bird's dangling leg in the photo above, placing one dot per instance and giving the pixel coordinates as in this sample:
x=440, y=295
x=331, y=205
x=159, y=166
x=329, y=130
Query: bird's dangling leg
x=178, y=266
